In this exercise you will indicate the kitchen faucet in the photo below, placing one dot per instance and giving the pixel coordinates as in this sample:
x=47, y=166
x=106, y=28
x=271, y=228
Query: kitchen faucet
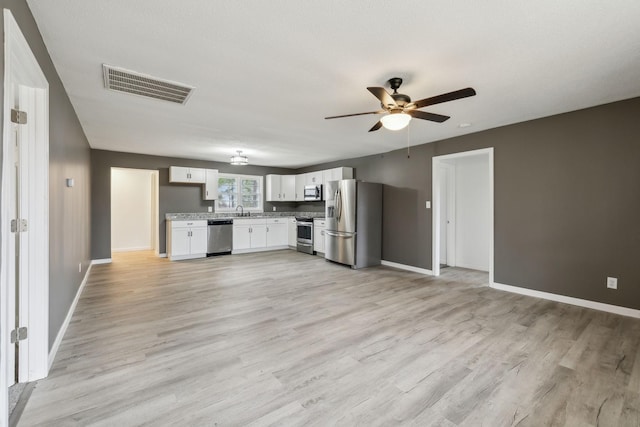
x=241, y=210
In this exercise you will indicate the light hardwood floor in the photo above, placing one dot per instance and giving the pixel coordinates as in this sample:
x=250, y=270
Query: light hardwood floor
x=283, y=338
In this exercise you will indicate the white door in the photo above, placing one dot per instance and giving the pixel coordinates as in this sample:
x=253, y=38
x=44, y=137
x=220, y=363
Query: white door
x=293, y=232
x=178, y=174
x=259, y=236
x=180, y=242
x=25, y=166
x=288, y=187
x=199, y=240
x=16, y=245
x=277, y=234
x=241, y=237
x=301, y=181
x=272, y=188
x=210, y=190
x=197, y=175
x=447, y=214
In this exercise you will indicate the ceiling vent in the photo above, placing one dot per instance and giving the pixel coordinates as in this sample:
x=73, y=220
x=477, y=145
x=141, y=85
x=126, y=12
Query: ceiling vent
x=143, y=85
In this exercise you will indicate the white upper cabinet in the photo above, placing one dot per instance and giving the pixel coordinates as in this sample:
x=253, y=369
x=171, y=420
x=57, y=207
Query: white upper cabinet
x=186, y=175
x=272, y=188
x=313, y=178
x=288, y=187
x=337, y=174
x=210, y=188
x=300, y=183
x=280, y=188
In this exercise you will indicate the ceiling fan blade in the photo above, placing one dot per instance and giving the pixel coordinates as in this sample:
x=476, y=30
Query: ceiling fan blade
x=383, y=96
x=356, y=114
x=446, y=97
x=427, y=116
x=376, y=126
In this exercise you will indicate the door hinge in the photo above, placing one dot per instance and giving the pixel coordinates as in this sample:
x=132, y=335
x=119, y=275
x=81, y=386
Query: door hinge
x=18, y=334
x=19, y=225
x=19, y=117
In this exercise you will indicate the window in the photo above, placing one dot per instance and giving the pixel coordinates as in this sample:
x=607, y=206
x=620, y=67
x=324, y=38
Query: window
x=239, y=190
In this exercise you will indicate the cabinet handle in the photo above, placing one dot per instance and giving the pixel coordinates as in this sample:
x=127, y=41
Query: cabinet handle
x=250, y=230
x=267, y=229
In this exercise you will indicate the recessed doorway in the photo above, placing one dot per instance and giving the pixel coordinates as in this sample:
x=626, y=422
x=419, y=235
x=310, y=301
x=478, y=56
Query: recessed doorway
x=134, y=210
x=463, y=211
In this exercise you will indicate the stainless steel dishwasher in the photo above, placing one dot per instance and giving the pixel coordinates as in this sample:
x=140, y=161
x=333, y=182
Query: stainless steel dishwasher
x=219, y=236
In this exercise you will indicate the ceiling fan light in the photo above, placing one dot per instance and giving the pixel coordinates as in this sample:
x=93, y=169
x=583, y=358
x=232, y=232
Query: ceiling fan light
x=395, y=121
x=239, y=159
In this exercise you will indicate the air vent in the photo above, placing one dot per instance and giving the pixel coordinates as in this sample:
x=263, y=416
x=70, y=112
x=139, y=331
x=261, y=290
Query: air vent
x=141, y=84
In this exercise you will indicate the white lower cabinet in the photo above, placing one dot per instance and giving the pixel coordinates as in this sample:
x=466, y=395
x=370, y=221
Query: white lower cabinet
x=186, y=239
x=277, y=233
x=260, y=234
x=319, y=225
x=249, y=234
x=293, y=233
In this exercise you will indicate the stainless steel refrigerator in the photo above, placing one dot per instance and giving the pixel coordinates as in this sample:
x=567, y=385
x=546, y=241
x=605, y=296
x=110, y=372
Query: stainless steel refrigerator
x=353, y=222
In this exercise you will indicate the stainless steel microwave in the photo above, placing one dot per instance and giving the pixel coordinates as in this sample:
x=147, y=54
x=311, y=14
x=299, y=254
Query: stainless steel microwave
x=313, y=192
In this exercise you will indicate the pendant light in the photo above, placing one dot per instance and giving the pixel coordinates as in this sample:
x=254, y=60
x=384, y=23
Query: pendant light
x=239, y=159
x=395, y=121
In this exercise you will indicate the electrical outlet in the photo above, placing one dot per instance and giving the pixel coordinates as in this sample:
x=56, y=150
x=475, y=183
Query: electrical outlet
x=274, y=208
x=209, y=209
x=79, y=267
x=612, y=282
x=427, y=204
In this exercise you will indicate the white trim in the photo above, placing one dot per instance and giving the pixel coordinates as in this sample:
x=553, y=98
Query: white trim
x=407, y=267
x=609, y=308
x=21, y=69
x=65, y=324
x=264, y=249
x=188, y=256
x=140, y=248
x=435, y=223
x=162, y=255
x=101, y=261
x=238, y=177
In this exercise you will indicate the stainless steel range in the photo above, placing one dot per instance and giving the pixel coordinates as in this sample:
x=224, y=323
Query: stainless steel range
x=304, y=241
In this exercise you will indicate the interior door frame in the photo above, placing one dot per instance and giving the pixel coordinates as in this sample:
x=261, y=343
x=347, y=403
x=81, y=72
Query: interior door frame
x=437, y=161
x=154, y=208
x=21, y=69
x=449, y=170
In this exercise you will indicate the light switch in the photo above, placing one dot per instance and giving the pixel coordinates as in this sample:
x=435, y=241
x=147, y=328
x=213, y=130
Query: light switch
x=428, y=204
x=70, y=182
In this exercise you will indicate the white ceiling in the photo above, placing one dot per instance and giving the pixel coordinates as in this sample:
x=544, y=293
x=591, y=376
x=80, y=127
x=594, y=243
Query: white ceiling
x=267, y=72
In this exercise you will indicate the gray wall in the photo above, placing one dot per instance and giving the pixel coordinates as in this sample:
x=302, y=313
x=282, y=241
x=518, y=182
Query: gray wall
x=567, y=197
x=69, y=156
x=172, y=197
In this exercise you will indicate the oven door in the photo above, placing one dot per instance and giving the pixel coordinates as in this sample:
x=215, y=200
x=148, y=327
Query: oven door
x=304, y=241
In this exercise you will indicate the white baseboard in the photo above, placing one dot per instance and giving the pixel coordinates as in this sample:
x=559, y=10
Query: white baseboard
x=101, y=261
x=623, y=311
x=248, y=251
x=162, y=255
x=407, y=267
x=133, y=249
x=65, y=324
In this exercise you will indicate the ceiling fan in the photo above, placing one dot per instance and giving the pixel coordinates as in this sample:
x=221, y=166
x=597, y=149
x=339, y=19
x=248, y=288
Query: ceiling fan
x=399, y=109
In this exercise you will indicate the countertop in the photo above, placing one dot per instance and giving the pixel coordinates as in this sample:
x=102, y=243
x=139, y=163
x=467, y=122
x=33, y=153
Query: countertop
x=226, y=215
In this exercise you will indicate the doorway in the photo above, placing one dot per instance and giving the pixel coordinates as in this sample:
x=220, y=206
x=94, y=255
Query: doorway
x=134, y=210
x=24, y=215
x=463, y=211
